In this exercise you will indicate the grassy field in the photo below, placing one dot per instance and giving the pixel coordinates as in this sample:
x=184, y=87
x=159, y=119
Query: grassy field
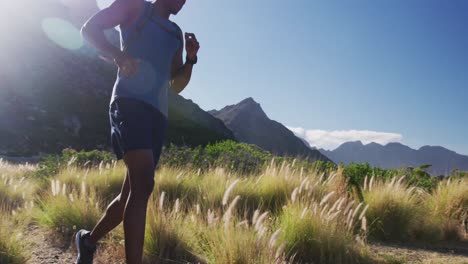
x=280, y=214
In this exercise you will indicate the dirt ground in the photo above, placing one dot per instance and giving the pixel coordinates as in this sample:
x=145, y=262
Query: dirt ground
x=48, y=247
x=447, y=253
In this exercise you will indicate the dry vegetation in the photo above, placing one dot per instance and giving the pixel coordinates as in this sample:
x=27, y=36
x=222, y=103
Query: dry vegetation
x=283, y=214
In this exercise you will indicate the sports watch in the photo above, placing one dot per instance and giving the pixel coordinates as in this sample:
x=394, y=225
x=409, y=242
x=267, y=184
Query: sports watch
x=190, y=61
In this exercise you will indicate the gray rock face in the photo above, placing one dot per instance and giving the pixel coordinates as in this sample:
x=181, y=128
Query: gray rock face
x=396, y=155
x=250, y=124
x=191, y=125
x=73, y=125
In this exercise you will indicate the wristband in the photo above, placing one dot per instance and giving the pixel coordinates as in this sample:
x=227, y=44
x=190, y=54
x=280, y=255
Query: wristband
x=190, y=61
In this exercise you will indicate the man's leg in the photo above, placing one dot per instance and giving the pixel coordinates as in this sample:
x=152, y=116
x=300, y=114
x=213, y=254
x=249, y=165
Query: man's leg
x=140, y=165
x=113, y=215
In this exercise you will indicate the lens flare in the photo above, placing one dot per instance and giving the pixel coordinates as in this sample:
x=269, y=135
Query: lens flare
x=104, y=3
x=62, y=33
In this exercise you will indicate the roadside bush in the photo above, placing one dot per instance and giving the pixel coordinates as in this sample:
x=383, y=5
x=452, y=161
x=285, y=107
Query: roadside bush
x=51, y=164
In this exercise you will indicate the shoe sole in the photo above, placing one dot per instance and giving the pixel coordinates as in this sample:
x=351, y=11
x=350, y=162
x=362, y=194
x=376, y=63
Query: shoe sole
x=77, y=244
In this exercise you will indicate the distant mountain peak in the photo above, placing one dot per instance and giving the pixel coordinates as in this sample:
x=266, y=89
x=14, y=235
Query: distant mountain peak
x=248, y=100
x=246, y=107
x=250, y=124
x=250, y=103
x=436, y=148
x=395, y=144
x=432, y=147
x=352, y=143
x=373, y=144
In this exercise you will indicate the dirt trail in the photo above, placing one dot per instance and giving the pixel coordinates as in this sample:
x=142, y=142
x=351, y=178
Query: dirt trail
x=47, y=248
x=454, y=253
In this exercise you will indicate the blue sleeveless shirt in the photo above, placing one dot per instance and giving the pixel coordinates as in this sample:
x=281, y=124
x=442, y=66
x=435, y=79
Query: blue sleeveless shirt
x=155, y=45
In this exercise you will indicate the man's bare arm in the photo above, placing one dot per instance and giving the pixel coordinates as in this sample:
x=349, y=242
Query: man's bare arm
x=181, y=73
x=120, y=12
x=181, y=78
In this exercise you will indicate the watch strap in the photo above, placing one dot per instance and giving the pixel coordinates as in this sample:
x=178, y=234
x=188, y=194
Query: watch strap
x=190, y=61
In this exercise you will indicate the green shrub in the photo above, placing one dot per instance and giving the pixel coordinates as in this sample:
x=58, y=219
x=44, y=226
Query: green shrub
x=92, y=158
x=357, y=172
x=239, y=157
x=50, y=165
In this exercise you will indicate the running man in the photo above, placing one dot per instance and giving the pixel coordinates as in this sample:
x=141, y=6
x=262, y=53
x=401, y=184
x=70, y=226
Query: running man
x=149, y=64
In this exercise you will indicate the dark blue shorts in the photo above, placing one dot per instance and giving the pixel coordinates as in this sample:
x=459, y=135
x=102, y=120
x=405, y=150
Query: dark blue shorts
x=136, y=125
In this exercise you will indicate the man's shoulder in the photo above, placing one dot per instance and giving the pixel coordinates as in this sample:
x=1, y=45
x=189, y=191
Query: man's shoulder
x=130, y=4
x=131, y=8
x=179, y=30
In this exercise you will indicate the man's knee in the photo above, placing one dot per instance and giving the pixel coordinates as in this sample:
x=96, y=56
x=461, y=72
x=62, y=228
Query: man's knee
x=140, y=166
x=145, y=187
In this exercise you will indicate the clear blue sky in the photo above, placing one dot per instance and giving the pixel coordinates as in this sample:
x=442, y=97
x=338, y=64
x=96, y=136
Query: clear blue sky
x=390, y=66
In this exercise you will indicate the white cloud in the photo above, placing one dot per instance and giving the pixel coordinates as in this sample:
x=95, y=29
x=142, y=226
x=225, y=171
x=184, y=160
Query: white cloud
x=332, y=139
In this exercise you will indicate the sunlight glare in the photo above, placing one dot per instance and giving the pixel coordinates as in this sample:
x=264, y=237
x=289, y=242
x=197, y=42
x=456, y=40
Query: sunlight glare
x=62, y=33
x=104, y=3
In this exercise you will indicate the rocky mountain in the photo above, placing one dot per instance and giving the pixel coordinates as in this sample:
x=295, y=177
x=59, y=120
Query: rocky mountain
x=55, y=91
x=396, y=155
x=250, y=124
x=191, y=125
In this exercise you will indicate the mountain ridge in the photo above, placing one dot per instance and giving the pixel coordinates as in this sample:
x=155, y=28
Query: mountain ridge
x=395, y=155
x=393, y=143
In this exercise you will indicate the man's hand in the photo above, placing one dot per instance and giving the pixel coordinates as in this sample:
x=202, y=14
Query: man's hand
x=127, y=64
x=191, y=45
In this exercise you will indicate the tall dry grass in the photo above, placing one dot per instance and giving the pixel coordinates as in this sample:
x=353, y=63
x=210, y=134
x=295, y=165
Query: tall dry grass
x=449, y=205
x=67, y=208
x=15, y=207
x=280, y=215
x=15, y=186
x=105, y=179
x=12, y=248
x=395, y=209
x=400, y=212
x=283, y=214
x=327, y=228
x=166, y=230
